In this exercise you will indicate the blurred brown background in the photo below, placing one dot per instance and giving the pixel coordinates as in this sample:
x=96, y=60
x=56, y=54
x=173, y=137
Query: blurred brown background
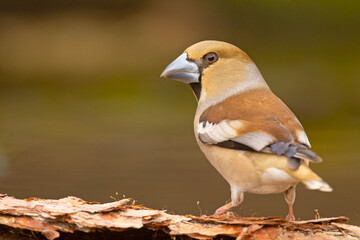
x=83, y=111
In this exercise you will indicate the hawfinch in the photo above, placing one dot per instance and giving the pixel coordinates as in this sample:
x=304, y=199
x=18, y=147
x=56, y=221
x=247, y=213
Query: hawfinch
x=246, y=132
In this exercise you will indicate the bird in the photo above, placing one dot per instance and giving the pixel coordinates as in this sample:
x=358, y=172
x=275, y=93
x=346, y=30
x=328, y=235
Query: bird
x=245, y=131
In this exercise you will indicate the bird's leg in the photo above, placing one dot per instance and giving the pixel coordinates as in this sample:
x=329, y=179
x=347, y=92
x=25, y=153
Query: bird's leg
x=290, y=199
x=290, y=217
x=236, y=199
x=223, y=209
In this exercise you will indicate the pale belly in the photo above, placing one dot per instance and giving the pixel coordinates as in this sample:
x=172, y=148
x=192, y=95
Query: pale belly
x=241, y=171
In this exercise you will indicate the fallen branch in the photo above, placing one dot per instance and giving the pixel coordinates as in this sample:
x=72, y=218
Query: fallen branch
x=73, y=218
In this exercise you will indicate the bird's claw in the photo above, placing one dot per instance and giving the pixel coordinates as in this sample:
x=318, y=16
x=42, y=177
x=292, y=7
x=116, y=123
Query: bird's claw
x=224, y=213
x=290, y=217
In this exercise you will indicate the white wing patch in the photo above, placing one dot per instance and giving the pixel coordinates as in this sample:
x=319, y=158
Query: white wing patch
x=225, y=130
x=255, y=140
x=302, y=138
x=212, y=133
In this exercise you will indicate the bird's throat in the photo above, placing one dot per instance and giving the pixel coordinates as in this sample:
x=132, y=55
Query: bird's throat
x=196, y=87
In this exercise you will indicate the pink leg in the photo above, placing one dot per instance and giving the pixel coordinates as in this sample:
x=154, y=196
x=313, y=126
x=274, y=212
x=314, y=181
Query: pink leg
x=290, y=217
x=236, y=199
x=290, y=199
x=222, y=210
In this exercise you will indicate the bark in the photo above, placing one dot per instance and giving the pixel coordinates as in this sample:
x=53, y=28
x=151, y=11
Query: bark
x=73, y=218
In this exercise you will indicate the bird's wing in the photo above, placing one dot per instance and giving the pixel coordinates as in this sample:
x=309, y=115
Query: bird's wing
x=258, y=120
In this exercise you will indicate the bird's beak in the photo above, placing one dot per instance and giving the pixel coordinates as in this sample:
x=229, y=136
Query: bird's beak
x=182, y=70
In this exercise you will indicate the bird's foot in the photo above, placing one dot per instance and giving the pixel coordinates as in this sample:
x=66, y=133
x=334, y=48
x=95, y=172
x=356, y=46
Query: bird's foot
x=290, y=217
x=228, y=214
x=222, y=211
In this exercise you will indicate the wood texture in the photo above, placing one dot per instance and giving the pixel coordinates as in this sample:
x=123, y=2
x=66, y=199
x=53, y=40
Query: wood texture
x=73, y=218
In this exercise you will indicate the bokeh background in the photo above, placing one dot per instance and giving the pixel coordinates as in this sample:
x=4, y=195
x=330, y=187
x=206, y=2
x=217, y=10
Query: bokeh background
x=83, y=111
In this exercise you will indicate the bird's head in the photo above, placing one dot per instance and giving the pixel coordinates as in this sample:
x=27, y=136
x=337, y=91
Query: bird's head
x=213, y=69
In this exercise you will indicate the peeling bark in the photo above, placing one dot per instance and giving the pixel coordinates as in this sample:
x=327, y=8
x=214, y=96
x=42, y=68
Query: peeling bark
x=73, y=218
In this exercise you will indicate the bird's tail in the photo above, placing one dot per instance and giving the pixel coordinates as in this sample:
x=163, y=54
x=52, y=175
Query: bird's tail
x=302, y=173
x=310, y=179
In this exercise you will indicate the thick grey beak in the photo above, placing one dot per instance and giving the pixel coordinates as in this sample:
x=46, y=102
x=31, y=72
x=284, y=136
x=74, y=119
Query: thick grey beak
x=182, y=70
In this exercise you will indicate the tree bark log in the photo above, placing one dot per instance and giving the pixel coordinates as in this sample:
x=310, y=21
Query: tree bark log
x=73, y=218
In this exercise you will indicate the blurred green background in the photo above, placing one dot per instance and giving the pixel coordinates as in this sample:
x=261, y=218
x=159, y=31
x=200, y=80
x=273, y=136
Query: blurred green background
x=83, y=111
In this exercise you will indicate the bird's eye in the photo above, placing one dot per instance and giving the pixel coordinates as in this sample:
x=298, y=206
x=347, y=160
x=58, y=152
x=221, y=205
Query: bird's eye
x=211, y=57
